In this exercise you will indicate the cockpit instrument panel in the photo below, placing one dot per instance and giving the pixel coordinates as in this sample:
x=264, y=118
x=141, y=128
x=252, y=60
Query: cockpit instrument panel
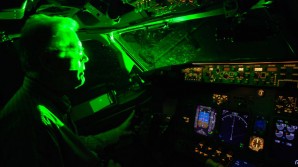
x=241, y=114
x=270, y=74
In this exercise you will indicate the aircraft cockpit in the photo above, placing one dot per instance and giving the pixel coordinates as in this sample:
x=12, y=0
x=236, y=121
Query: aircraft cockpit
x=207, y=79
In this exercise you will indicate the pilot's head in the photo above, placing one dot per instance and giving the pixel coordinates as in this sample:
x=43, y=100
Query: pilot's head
x=52, y=52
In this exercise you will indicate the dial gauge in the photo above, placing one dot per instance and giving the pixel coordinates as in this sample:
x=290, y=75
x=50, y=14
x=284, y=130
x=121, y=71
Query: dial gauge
x=256, y=143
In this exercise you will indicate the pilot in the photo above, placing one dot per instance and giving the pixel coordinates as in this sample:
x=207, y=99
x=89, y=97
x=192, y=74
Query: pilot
x=35, y=125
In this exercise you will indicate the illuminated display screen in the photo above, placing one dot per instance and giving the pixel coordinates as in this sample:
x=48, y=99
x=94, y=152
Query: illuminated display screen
x=285, y=141
x=260, y=125
x=233, y=128
x=205, y=120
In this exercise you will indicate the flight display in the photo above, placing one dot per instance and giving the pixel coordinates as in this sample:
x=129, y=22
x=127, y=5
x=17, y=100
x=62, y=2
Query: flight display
x=233, y=127
x=205, y=120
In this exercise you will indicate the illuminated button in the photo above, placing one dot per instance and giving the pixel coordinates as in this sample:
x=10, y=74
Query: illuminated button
x=201, y=145
x=218, y=152
x=196, y=150
x=258, y=69
x=261, y=92
x=229, y=156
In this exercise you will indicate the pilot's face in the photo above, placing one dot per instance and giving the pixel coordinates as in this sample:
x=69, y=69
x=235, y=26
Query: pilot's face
x=70, y=63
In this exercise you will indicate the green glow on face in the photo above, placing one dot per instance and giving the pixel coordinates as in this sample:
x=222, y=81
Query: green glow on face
x=127, y=61
x=71, y=56
x=48, y=117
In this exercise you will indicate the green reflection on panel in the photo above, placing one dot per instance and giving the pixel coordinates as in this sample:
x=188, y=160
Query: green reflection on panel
x=172, y=20
x=127, y=61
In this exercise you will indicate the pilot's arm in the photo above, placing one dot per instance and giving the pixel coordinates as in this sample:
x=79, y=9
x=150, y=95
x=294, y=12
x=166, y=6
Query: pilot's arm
x=101, y=140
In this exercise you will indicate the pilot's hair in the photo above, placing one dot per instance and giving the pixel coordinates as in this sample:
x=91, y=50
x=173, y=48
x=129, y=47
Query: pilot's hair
x=36, y=37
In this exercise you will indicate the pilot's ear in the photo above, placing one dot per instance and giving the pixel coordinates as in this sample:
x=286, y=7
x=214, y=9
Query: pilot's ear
x=51, y=62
